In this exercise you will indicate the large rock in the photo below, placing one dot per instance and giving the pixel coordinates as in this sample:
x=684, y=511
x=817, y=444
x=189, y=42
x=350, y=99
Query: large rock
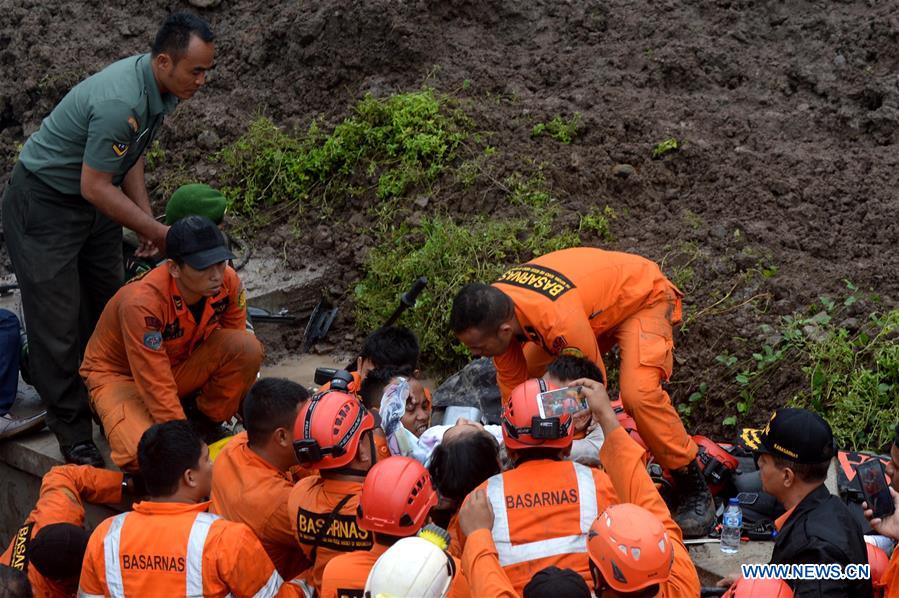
x=472, y=386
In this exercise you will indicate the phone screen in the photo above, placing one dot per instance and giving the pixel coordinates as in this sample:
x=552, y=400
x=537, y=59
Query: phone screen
x=554, y=403
x=873, y=481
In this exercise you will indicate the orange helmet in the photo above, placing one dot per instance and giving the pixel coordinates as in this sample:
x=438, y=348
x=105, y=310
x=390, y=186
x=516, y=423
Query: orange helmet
x=759, y=588
x=397, y=497
x=328, y=428
x=879, y=562
x=524, y=427
x=629, y=549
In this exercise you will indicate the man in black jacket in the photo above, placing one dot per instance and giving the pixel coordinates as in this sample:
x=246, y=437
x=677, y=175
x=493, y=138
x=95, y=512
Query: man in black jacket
x=794, y=454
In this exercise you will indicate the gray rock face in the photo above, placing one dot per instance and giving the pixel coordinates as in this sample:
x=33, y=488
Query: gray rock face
x=472, y=386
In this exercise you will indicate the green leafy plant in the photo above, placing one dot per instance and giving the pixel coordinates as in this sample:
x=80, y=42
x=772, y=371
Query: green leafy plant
x=389, y=145
x=665, y=147
x=563, y=131
x=598, y=221
x=155, y=156
x=450, y=254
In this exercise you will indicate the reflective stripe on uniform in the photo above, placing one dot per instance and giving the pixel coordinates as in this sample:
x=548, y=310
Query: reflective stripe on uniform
x=83, y=594
x=271, y=587
x=195, y=543
x=194, y=566
x=111, y=544
x=511, y=554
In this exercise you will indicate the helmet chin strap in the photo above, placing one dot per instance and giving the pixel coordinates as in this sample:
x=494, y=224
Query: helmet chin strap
x=373, y=456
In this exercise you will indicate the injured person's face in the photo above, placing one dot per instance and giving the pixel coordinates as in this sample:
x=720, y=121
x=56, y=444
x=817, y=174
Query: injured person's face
x=417, y=417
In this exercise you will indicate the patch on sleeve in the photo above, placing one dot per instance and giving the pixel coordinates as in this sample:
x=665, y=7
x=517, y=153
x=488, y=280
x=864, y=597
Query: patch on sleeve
x=548, y=283
x=573, y=351
x=153, y=323
x=559, y=343
x=120, y=149
x=153, y=340
x=242, y=298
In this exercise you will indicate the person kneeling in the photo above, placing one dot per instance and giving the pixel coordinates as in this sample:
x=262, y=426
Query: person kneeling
x=173, y=344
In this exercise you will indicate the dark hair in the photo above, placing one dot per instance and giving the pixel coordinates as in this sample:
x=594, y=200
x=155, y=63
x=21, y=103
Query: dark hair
x=173, y=37
x=14, y=583
x=459, y=466
x=371, y=391
x=386, y=540
x=57, y=551
x=271, y=404
x=165, y=452
x=393, y=346
x=556, y=583
x=807, y=472
x=480, y=306
x=568, y=367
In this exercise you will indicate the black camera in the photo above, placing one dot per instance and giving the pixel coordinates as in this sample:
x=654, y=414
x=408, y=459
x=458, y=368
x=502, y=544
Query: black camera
x=307, y=451
x=339, y=379
x=548, y=428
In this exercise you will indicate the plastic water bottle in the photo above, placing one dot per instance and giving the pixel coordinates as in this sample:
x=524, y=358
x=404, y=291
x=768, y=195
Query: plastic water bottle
x=732, y=528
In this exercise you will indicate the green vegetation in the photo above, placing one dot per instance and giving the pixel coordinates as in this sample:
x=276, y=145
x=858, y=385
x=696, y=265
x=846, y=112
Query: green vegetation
x=390, y=145
x=155, y=156
x=664, y=147
x=852, y=374
x=563, y=131
x=598, y=222
x=450, y=255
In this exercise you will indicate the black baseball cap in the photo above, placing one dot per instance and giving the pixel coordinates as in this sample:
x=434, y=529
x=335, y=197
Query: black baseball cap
x=57, y=550
x=553, y=582
x=197, y=241
x=797, y=435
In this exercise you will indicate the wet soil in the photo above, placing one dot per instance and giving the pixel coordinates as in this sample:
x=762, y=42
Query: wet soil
x=788, y=114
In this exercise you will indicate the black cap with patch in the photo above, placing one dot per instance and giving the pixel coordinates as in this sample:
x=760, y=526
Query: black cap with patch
x=797, y=435
x=197, y=241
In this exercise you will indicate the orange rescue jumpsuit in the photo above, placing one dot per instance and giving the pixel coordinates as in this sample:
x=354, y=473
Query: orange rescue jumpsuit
x=311, y=503
x=248, y=489
x=175, y=549
x=346, y=574
x=480, y=558
x=543, y=510
x=583, y=301
x=62, y=491
x=890, y=577
x=148, y=351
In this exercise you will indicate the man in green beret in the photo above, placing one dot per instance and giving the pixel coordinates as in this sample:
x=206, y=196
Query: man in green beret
x=79, y=179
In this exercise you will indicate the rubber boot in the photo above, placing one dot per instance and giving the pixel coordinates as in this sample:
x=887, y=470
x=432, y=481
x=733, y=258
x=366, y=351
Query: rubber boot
x=696, y=508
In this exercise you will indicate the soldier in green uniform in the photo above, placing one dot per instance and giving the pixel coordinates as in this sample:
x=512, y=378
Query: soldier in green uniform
x=79, y=179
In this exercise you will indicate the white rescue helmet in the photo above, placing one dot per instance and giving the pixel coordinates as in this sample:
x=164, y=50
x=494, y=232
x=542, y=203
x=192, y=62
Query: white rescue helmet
x=411, y=567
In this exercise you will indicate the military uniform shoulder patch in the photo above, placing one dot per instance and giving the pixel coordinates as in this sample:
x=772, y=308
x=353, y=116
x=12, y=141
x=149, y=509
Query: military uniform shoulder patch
x=573, y=352
x=153, y=323
x=153, y=340
x=120, y=149
x=242, y=298
x=547, y=282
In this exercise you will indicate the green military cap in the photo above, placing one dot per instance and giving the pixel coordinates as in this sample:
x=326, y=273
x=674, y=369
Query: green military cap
x=196, y=199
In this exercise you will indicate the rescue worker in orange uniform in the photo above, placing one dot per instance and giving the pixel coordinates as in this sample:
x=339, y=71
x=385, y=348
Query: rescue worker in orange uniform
x=169, y=545
x=50, y=545
x=333, y=433
x=254, y=474
x=642, y=521
x=584, y=301
x=544, y=505
x=173, y=343
x=397, y=498
x=889, y=526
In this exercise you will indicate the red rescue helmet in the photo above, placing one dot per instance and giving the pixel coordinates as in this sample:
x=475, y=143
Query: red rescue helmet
x=524, y=428
x=630, y=547
x=759, y=588
x=397, y=497
x=879, y=562
x=328, y=428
